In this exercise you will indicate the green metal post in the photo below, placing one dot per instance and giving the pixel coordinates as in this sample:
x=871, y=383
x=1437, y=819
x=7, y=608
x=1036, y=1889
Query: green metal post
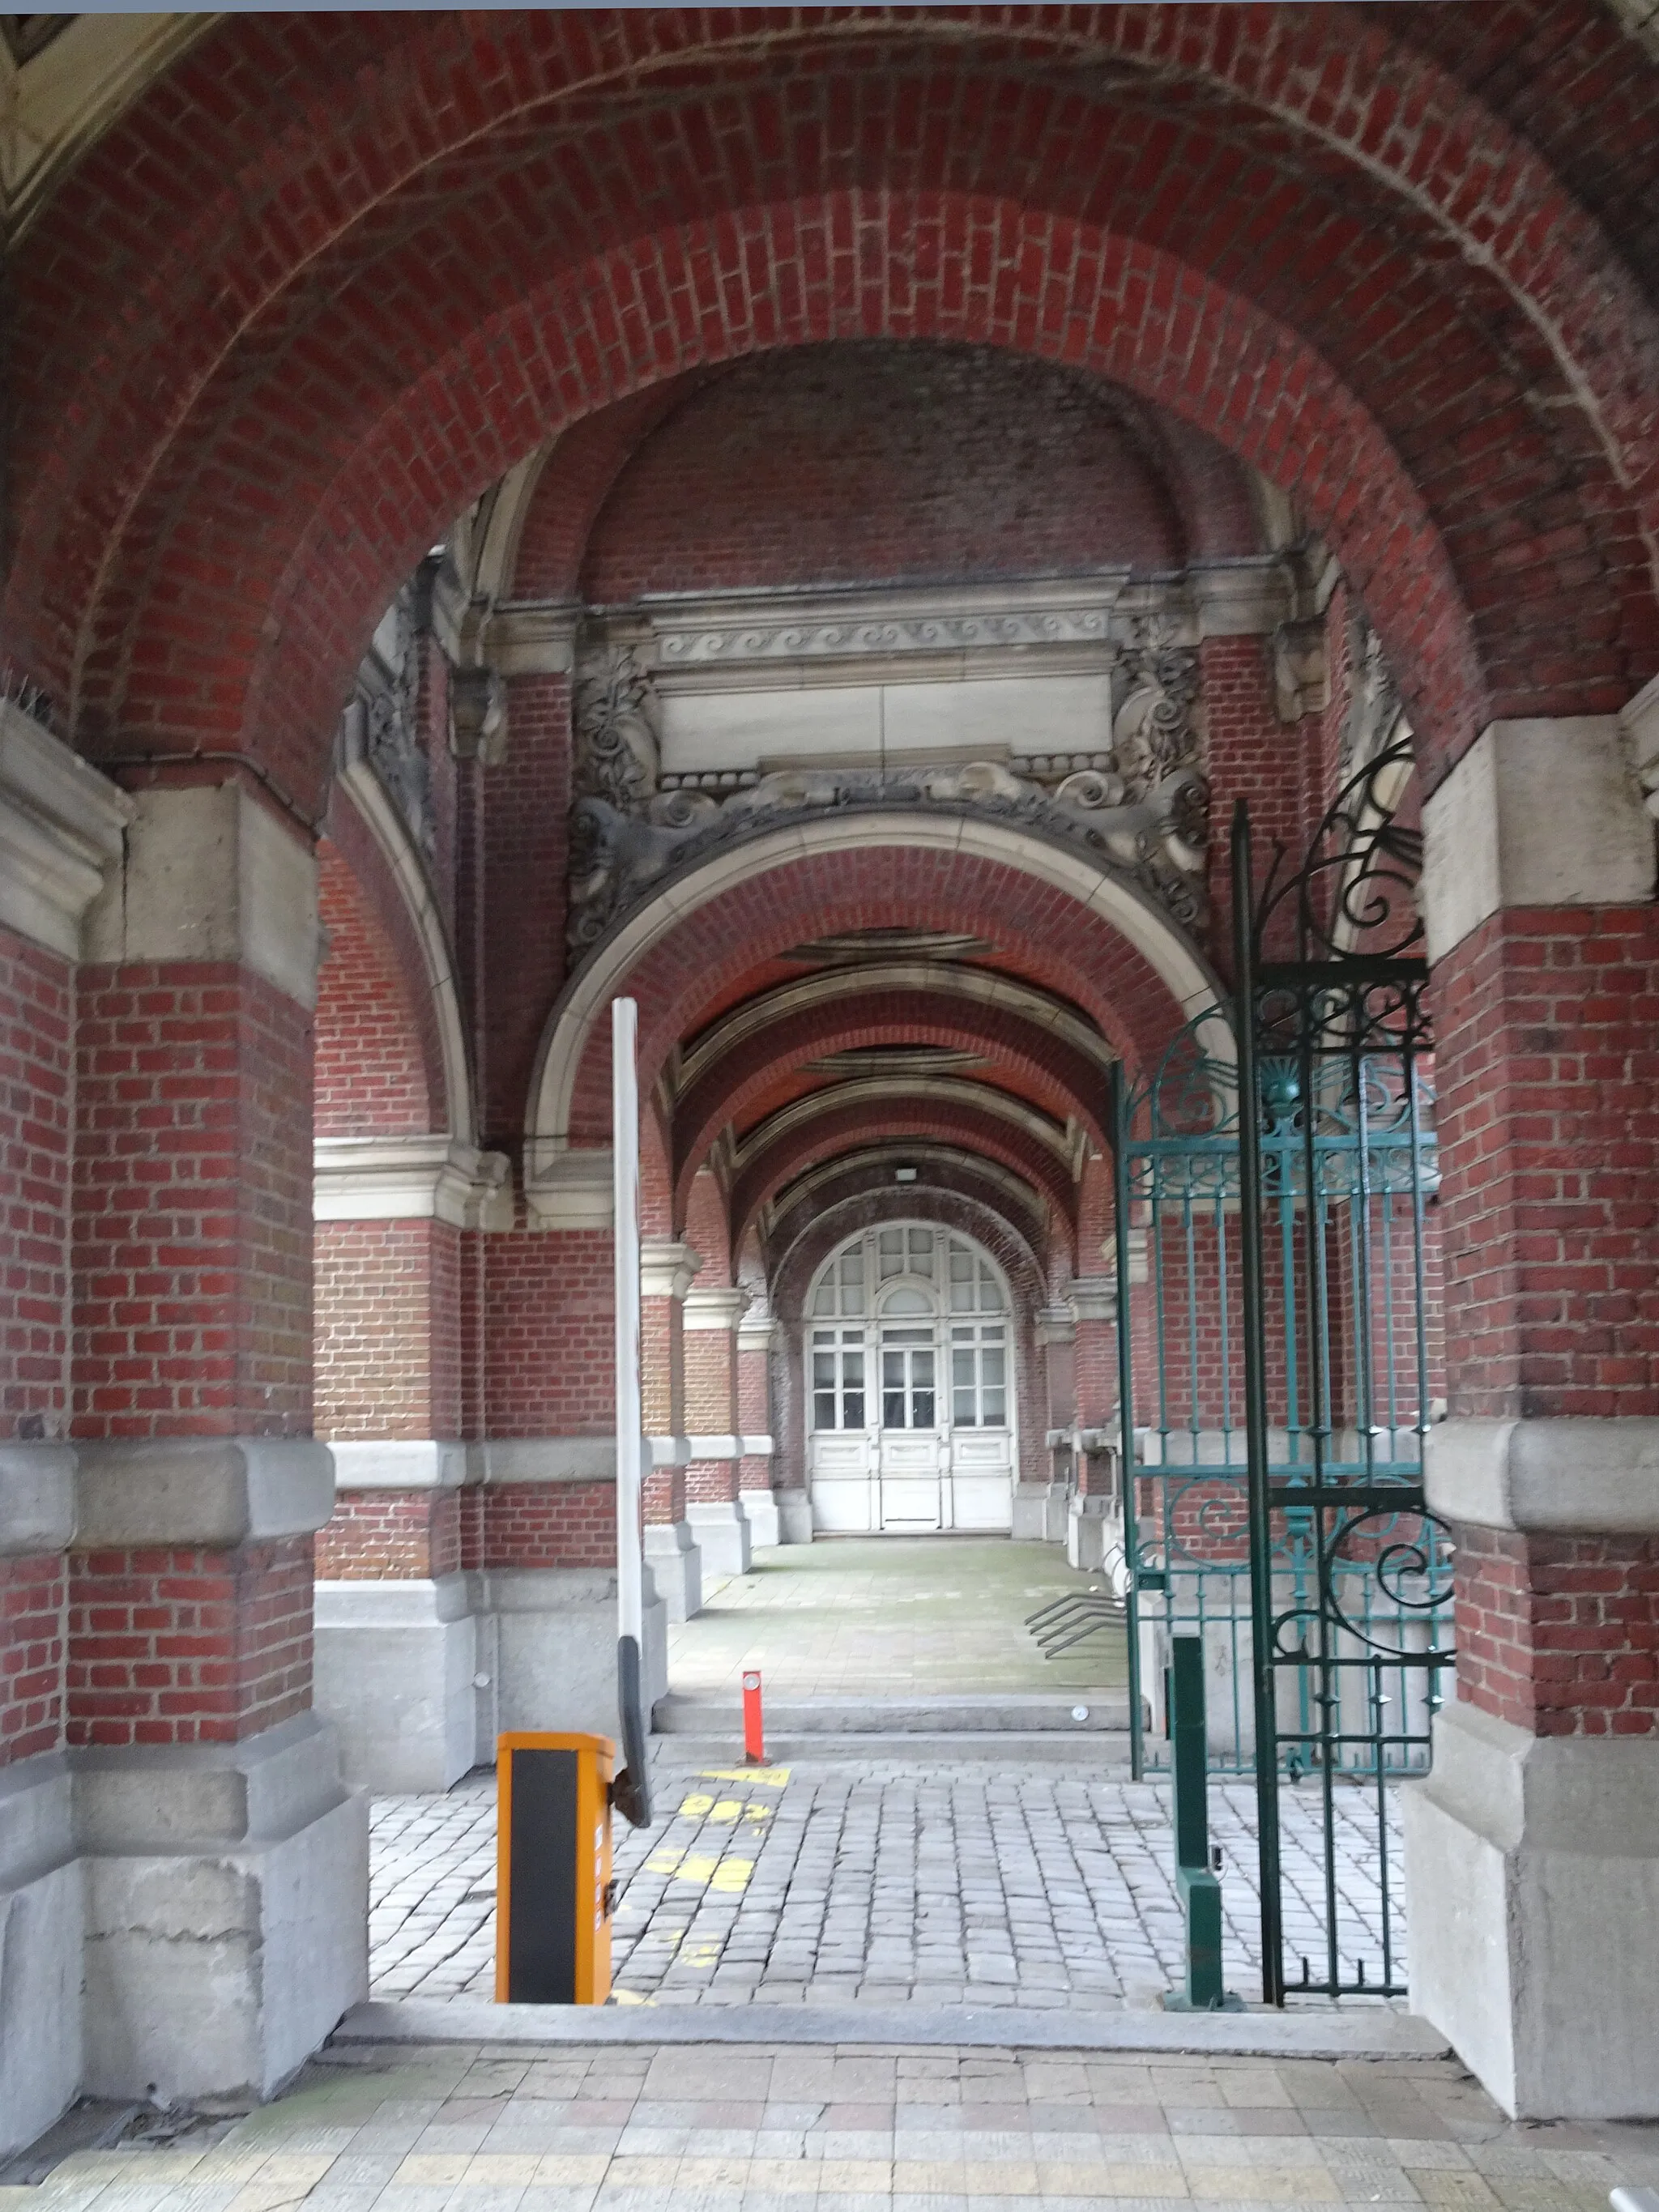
x=1195, y=1878
x=1126, y=1412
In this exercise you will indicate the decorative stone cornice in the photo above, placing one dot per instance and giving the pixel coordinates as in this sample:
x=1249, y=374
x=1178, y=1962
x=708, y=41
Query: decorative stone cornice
x=532, y=638
x=666, y=1270
x=1591, y=1478
x=756, y=1332
x=61, y=827
x=414, y=1178
x=1055, y=1325
x=1093, y=1297
x=569, y=1189
x=714, y=1308
x=725, y=641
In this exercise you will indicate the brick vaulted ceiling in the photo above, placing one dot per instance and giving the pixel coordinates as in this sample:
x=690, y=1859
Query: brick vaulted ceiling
x=330, y=276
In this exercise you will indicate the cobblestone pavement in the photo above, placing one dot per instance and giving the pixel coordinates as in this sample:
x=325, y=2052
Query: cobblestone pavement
x=871, y=1879
x=638, y=2129
x=889, y=1616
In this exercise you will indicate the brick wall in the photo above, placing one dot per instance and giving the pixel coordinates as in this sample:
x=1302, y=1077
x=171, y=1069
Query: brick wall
x=391, y=1535
x=876, y=461
x=192, y=1204
x=523, y=842
x=541, y=1524
x=371, y=1072
x=1548, y=1075
x=388, y=1348
x=1560, y=1634
x=711, y=1378
x=550, y=1305
x=33, y=1599
x=169, y=1647
x=35, y=1092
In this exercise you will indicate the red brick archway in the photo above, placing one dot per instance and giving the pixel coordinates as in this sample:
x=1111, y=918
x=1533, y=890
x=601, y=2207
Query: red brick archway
x=1288, y=267
x=705, y=955
x=1016, y=1056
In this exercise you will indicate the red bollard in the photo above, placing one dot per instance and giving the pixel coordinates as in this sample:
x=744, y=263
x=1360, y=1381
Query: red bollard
x=754, y=1739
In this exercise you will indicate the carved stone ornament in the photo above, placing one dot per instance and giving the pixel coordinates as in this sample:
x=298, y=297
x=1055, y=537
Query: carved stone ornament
x=477, y=715
x=1374, y=710
x=1146, y=812
x=618, y=754
x=392, y=741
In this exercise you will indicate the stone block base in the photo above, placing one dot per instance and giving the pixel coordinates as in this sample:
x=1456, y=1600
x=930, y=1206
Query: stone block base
x=794, y=1517
x=1094, y=1534
x=420, y=1677
x=395, y=1662
x=720, y=1529
x=552, y=1634
x=675, y=1565
x=761, y=1510
x=1532, y=1878
x=226, y=1904
x=40, y=1941
x=1031, y=1521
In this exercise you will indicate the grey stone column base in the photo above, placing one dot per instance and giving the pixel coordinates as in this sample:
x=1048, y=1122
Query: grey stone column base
x=420, y=1677
x=671, y=1554
x=41, y=1934
x=547, y=1638
x=720, y=1529
x=1531, y=1881
x=794, y=1517
x=1092, y=1530
x=1031, y=1518
x=761, y=1511
x=395, y=1666
x=226, y=1911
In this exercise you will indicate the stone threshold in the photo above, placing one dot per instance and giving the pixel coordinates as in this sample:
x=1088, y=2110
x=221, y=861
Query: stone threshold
x=1361, y=2033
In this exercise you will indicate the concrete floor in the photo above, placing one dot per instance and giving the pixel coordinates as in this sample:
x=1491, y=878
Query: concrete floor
x=458, y=2129
x=891, y=1616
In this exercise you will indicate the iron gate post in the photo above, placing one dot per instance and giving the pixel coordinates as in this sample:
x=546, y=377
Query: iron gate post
x=1255, y=1416
x=1197, y=1879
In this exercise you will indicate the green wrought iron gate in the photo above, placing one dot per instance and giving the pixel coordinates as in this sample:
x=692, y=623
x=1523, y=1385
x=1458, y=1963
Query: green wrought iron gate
x=1278, y=1350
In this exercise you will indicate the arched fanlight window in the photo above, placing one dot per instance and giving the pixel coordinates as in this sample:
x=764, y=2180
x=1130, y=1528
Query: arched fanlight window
x=897, y=1296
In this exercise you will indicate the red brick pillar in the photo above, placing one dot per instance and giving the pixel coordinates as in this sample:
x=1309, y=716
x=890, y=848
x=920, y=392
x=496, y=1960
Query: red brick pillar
x=1533, y=1850
x=756, y=1468
x=226, y=1887
x=397, y=1647
x=719, y=1523
x=59, y=823
x=671, y=1545
x=1054, y=1329
x=1097, y=1510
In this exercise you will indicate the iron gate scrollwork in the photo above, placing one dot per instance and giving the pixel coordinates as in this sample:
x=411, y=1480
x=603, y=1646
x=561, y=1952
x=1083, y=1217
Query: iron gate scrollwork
x=1277, y=1348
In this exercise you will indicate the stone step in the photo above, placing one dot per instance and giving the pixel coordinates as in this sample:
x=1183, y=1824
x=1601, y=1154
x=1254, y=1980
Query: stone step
x=1103, y=1753
x=972, y=1713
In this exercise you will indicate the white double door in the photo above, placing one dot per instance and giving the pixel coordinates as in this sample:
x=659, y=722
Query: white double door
x=895, y=1462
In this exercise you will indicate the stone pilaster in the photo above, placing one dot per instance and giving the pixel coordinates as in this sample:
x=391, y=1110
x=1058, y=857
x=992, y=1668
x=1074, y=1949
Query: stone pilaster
x=1533, y=1848
x=666, y=1271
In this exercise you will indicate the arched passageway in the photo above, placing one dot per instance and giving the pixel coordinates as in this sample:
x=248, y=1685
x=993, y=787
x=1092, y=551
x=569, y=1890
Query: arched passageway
x=814, y=524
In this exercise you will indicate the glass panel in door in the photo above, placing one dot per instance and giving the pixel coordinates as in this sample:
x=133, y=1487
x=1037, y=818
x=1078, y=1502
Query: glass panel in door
x=910, y=1441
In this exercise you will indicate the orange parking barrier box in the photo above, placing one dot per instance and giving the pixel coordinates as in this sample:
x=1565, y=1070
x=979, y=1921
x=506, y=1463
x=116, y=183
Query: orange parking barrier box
x=554, y=1891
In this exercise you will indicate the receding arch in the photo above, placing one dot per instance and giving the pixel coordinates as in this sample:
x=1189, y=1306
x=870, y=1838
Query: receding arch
x=1156, y=961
